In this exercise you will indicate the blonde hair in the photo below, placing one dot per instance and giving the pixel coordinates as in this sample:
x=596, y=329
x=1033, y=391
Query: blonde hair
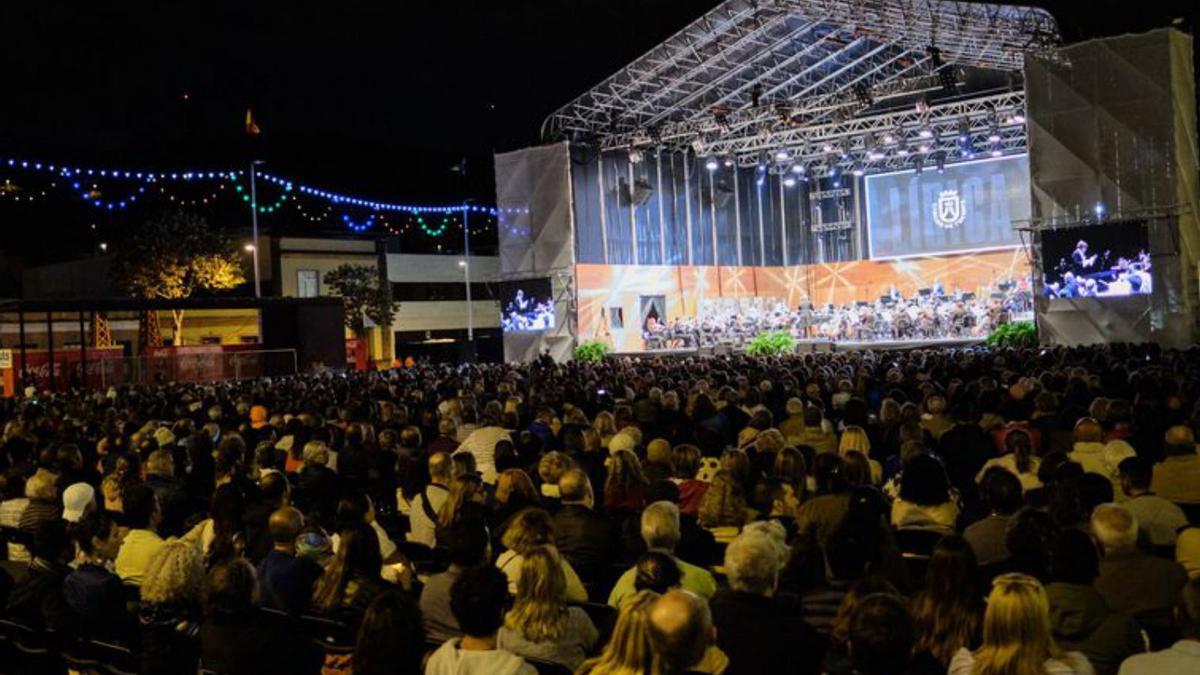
x=854, y=438
x=539, y=611
x=605, y=424
x=723, y=503
x=628, y=652
x=553, y=465
x=514, y=481
x=529, y=529
x=1016, y=629
x=462, y=489
x=174, y=574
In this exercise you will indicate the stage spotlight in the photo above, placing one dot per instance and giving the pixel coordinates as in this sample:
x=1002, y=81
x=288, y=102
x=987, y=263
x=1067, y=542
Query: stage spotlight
x=834, y=170
x=923, y=148
x=889, y=138
x=902, y=151
x=635, y=155
x=797, y=168
x=858, y=171
x=925, y=132
x=994, y=135
x=939, y=160
x=789, y=182
x=782, y=155
x=997, y=152
x=729, y=161
x=1099, y=211
x=863, y=93
x=712, y=164
x=964, y=129
x=760, y=174
x=827, y=147
x=698, y=145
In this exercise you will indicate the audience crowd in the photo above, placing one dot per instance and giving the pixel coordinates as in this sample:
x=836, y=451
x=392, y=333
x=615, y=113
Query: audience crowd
x=969, y=511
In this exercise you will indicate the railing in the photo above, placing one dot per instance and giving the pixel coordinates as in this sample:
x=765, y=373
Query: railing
x=166, y=366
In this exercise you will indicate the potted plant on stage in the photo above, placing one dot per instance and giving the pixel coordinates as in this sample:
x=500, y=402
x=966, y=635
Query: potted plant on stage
x=771, y=343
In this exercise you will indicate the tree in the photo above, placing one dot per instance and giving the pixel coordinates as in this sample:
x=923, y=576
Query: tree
x=363, y=295
x=174, y=256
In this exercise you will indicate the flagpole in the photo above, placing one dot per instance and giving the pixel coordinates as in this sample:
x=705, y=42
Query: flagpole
x=254, y=227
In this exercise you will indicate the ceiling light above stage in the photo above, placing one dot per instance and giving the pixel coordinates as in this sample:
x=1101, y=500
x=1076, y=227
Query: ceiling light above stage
x=712, y=164
x=939, y=160
x=782, y=155
x=789, y=182
x=902, y=151
x=698, y=145
x=635, y=155
x=729, y=161
x=797, y=168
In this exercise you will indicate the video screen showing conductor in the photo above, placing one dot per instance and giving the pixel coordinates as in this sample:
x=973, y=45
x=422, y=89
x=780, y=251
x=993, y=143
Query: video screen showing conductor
x=526, y=306
x=1100, y=261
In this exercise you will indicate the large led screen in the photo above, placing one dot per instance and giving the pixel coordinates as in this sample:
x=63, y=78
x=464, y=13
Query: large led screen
x=969, y=206
x=526, y=306
x=1109, y=260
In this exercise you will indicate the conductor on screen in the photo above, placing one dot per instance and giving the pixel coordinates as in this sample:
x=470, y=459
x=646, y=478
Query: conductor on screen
x=1083, y=262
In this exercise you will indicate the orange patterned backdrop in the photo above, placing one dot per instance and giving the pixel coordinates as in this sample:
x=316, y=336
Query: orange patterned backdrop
x=602, y=287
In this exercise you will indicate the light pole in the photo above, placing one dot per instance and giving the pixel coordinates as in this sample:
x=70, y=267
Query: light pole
x=254, y=227
x=465, y=263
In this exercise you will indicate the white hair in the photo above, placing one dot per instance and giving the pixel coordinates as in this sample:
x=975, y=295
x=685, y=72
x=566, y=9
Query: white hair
x=1115, y=527
x=316, y=452
x=752, y=563
x=660, y=525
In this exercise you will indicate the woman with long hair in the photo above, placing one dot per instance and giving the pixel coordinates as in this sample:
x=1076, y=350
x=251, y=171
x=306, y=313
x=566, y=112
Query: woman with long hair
x=222, y=535
x=464, y=499
x=530, y=529
x=352, y=579
x=628, y=652
x=856, y=438
x=389, y=640
x=540, y=624
x=791, y=468
x=1016, y=635
x=625, y=486
x=723, y=509
x=515, y=492
x=948, y=611
x=1019, y=460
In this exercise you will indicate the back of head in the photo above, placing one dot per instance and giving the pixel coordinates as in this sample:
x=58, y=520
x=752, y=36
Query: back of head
x=285, y=525
x=1016, y=627
x=1136, y=473
x=529, y=528
x=660, y=526
x=1088, y=430
x=574, y=487
x=160, y=463
x=468, y=543
x=273, y=487
x=1074, y=558
x=752, y=563
x=229, y=589
x=656, y=571
x=685, y=461
x=680, y=630
x=881, y=635
x=1180, y=441
x=1003, y=491
x=1115, y=527
x=139, y=504
x=478, y=599
x=386, y=644
x=440, y=467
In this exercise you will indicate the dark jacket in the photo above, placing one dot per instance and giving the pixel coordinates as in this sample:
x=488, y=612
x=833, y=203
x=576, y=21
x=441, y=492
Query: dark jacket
x=36, y=600
x=760, y=636
x=1080, y=621
x=1133, y=582
x=586, y=539
x=170, y=643
x=96, y=598
x=254, y=644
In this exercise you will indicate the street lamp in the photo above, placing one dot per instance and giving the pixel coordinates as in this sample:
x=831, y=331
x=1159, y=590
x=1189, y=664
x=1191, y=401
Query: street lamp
x=470, y=308
x=249, y=248
x=254, y=227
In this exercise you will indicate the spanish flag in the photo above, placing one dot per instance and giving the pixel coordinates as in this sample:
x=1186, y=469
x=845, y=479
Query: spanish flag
x=251, y=126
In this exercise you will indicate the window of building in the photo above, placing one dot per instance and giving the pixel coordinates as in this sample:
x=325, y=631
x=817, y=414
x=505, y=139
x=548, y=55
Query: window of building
x=307, y=284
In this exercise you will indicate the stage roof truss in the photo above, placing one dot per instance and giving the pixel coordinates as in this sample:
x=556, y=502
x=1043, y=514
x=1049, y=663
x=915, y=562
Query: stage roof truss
x=753, y=68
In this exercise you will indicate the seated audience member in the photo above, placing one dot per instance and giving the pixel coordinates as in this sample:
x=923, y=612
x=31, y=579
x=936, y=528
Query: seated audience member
x=1160, y=519
x=947, y=612
x=656, y=572
x=479, y=599
x=1079, y=619
x=238, y=639
x=723, y=510
x=464, y=501
x=836, y=660
x=1016, y=635
x=685, y=462
x=681, y=631
x=514, y=493
x=529, y=529
x=44, y=503
x=1002, y=494
x=426, y=505
x=352, y=579
x=586, y=538
x=79, y=501
x=172, y=499
x=1131, y=581
x=274, y=493
x=855, y=439
x=660, y=531
x=926, y=500
x=625, y=483
x=1018, y=460
x=1182, y=658
x=826, y=510
x=1096, y=456
x=141, y=543
x=785, y=501
x=469, y=548
x=757, y=631
x=881, y=636
x=628, y=651
x=1187, y=551
x=816, y=434
x=1177, y=477
x=286, y=580
x=550, y=468
x=36, y=600
x=93, y=593
x=658, y=460
x=389, y=640
x=540, y=624
x=169, y=610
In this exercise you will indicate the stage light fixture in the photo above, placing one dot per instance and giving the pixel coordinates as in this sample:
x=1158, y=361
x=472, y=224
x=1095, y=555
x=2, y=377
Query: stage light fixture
x=923, y=148
x=635, y=155
x=918, y=163
x=997, y=152
x=964, y=129
x=712, y=164
x=789, y=182
x=760, y=173
x=939, y=161
x=698, y=145
x=834, y=170
x=1099, y=210
x=729, y=161
x=782, y=155
x=858, y=171
x=902, y=151
x=889, y=138
x=925, y=132
x=994, y=135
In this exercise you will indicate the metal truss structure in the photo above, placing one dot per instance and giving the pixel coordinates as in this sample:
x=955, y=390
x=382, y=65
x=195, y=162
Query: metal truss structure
x=770, y=75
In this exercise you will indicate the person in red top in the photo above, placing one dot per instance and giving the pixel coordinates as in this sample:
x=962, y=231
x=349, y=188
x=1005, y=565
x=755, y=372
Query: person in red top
x=685, y=462
x=625, y=487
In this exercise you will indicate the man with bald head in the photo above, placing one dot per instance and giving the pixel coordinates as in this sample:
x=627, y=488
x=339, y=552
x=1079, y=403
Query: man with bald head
x=585, y=538
x=681, y=631
x=422, y=514
x=1177, y=477
x=1096, y=456
x=285, y=580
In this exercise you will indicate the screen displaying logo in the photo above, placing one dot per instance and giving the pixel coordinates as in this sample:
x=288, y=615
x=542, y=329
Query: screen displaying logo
x=971, y=206
x=950, y=210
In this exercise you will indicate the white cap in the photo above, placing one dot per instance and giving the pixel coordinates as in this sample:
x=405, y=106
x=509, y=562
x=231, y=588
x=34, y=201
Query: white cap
x=76, y=499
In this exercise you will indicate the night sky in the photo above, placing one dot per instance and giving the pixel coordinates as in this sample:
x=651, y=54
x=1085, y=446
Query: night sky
x=373, y=98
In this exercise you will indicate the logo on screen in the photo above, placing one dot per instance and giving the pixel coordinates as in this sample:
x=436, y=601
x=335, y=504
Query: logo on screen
x=950, y=210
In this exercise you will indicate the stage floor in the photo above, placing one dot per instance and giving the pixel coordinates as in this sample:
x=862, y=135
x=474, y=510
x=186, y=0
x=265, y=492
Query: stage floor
x=804, y=346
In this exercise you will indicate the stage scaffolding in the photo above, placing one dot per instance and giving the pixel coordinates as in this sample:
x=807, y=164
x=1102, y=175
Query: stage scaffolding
x=754, y=76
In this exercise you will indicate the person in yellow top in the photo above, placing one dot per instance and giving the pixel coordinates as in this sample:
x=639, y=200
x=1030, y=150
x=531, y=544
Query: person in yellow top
x=142, y=542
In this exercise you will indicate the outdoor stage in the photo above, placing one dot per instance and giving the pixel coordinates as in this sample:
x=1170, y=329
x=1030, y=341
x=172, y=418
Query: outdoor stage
x=814, y=346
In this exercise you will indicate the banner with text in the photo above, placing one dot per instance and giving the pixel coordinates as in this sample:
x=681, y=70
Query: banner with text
x=970, y=206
